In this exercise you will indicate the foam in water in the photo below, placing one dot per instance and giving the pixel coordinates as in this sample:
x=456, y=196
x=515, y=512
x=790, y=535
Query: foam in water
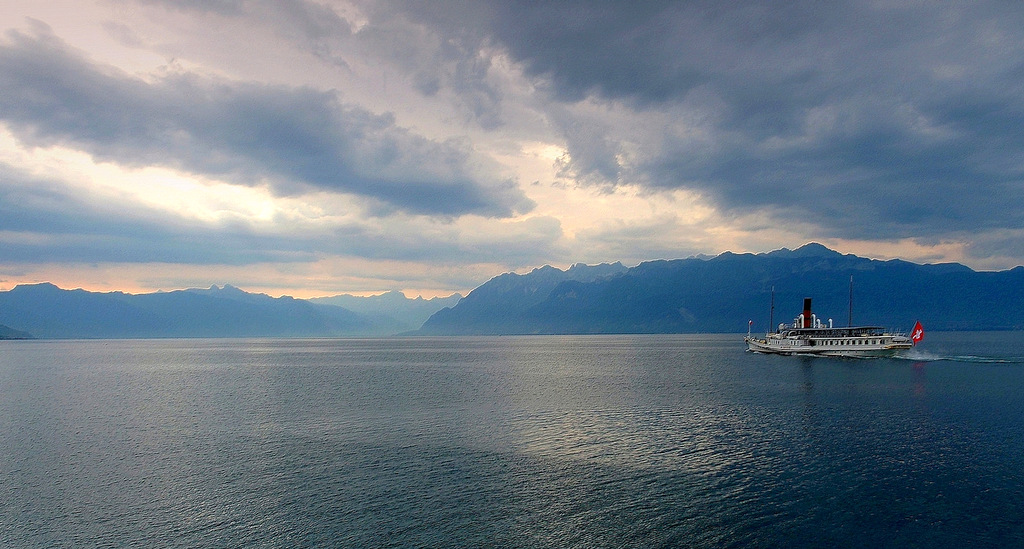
x=920, y=355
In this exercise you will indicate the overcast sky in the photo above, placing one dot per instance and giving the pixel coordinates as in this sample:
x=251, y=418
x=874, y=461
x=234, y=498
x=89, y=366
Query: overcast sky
x=314, y=147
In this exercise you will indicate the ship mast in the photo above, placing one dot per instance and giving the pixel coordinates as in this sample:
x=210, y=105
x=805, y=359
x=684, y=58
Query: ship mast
x=850, y=322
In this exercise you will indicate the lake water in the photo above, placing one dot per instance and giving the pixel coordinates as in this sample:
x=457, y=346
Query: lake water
x=590, y=441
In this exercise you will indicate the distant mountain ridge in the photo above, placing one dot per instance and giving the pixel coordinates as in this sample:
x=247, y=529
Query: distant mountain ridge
x=46, y=311
x=7, y=332
x=721, y=294
x=699, y=294
x=391, y=310
x=500, y=305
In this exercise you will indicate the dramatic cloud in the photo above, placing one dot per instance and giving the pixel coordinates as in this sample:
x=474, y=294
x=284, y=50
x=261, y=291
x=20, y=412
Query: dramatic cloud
x=45, y=220
x=862, y=117
x=293, y=138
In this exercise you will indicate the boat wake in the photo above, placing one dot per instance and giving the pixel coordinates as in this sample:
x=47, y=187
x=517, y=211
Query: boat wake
x=918, y=355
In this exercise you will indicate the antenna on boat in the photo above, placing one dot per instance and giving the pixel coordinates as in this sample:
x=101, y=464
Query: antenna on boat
x=850, y=322
x=771, y=312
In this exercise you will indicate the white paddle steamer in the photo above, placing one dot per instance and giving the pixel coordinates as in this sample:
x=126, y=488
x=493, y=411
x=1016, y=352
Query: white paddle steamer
x=808, y=335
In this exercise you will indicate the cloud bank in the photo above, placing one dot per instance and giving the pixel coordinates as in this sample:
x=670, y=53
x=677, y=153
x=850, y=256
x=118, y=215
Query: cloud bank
x=295, y=139
x=463, y=139
x=863, y=118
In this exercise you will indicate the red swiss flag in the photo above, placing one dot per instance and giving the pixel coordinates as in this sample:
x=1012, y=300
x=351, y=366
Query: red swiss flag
x=918, y=333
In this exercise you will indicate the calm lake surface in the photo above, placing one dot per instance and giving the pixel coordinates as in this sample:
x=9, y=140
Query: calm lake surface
x=549, y=441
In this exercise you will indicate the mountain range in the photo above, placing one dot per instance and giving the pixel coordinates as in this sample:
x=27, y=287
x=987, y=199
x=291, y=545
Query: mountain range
x=391, y=312
x=46, y=311
x=7, y=332
x=700, y=294
x=723, y=293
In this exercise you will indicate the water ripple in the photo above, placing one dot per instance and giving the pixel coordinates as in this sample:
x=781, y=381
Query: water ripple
x=509, y=442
